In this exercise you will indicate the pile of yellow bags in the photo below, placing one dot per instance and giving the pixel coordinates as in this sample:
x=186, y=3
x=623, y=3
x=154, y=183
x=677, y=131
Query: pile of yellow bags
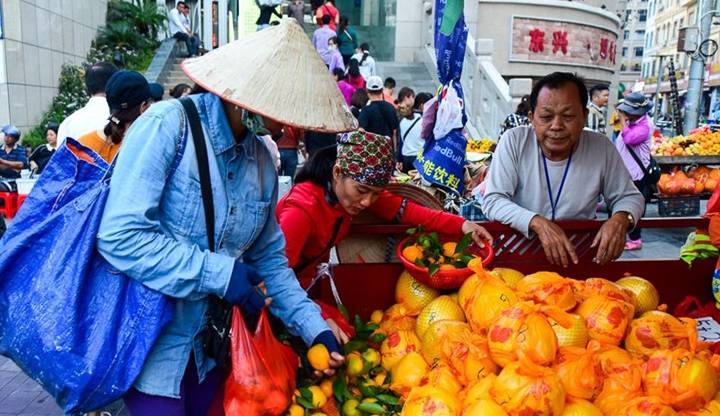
x=543, y=344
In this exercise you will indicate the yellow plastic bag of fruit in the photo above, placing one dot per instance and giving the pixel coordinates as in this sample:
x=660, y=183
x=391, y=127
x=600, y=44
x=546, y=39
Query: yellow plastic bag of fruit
x=710, y=409
x=647, y=406
x=683, y=379
x=435, y=336
x=606, y=318
x=579, y=407
x=574, y=336
x=397, y=318
x=484, y=407
x=594, y=286
x=547, y=288
x=657, y=330
x=408, y=373
x=430, y=401
x=442, y=377
x=483, y=297
x=622, y=377
x=524, y=331
x=580, y=375
x=397, y=345
x=525, y=388
x=468, y=356
x=477, y=390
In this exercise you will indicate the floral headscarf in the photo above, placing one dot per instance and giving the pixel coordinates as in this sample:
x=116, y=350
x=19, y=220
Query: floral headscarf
x=365, y=157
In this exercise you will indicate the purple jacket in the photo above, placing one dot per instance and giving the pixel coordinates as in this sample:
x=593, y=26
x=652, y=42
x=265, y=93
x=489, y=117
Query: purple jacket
x=636, y=136
x=347, y=90
x=335, y=61
x=320, y=40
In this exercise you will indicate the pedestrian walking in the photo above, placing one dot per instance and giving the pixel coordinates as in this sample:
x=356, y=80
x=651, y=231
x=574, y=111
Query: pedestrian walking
x=405, y=102
x=410, y=128
x=289, y=146
x=389, y=90
x=42, y=154
x=328, y=9
x=379, y=116
x=180, y=90
x=599, y=96
x=179, y=26
x=358, y=101
x=321, y=40
x=633, y=144
x=267, y=10
x=335, y=59
x=296, y=10
x=365, y=61
x=94, y=114
x=354, y=77
x=347, y=39
x=346, y=89
x=128, y=96
x=518, y=118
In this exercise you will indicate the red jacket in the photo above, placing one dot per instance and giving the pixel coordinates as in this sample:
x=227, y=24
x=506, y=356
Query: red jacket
x=308, y=220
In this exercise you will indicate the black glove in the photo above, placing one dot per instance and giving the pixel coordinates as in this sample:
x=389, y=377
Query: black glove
x=328, y=340
x=242, y=290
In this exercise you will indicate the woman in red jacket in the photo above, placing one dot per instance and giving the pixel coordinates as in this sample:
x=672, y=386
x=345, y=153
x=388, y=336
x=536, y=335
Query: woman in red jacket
x=338, y=183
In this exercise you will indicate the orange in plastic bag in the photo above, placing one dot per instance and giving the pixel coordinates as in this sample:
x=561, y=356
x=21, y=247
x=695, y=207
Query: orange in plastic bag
x=467, y=355
x=397, y=345
x=524, y=331
x=599, y=286
x=647, y=406
x=683, y=379
x=397, y=318
x=262, y=379
x=580, y=375
x=657, y=330
x=622, y=377
x=579, y=407
x=524, y=388
x=606, y=318
x=710, y=409
x=547, y=288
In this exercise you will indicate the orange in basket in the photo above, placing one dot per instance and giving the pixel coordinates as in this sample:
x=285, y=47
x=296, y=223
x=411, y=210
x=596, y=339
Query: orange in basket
x=445, y=278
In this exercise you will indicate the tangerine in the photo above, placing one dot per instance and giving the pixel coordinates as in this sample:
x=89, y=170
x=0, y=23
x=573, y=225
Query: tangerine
x=449, y=249
x=319, y=357
x=413, y=253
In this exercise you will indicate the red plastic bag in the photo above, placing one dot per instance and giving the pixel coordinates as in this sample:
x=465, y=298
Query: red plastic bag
x=262, y=379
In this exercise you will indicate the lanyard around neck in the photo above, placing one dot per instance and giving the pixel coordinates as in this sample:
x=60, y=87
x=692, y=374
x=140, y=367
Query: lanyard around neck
x=554, y=202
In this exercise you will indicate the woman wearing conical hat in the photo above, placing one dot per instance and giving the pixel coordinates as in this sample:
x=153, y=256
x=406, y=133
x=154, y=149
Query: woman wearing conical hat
x=154, y=228
x=338, y=183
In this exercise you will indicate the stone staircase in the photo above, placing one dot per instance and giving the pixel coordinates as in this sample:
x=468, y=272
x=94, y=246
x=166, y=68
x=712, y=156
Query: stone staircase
x=413, y=75
x=175, y=76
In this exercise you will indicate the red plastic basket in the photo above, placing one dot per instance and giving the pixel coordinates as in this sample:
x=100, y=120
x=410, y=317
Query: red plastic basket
x=444, y=279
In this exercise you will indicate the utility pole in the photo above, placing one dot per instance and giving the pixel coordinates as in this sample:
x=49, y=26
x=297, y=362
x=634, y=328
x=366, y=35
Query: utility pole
x=697, y=67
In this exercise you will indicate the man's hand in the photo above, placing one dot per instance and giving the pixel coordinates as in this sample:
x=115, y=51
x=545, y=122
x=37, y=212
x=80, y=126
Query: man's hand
x=479, y=234
x=558, y=248
x=610, y=240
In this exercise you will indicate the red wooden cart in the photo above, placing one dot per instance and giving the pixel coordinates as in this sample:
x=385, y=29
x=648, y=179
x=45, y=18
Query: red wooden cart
x=364, y=287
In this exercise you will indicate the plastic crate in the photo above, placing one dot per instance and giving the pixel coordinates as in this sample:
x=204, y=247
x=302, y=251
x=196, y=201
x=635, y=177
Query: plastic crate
x=679, y=206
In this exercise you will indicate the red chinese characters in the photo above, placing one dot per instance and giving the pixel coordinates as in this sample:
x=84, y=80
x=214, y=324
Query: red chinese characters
x=537, y=41
x=604, y=46
x=560, y=42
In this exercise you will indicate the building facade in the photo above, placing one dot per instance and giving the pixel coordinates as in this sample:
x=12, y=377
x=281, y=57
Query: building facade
x=634, y=20
x=38, y=37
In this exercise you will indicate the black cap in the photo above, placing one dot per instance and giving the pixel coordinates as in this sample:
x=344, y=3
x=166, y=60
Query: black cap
x=126, y=89
x=156, y=91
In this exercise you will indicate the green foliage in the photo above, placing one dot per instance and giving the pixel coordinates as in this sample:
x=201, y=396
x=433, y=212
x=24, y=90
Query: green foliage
x=71, y=97
x=128, y=41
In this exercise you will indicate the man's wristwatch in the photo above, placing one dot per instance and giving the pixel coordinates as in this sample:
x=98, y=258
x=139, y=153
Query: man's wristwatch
x=631, y=220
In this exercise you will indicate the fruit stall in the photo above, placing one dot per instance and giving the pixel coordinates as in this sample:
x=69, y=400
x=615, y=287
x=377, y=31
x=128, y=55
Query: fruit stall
x=520, y=336
x=700, y=147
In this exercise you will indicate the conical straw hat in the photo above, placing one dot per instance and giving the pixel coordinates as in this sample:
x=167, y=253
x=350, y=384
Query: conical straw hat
x=276, y=73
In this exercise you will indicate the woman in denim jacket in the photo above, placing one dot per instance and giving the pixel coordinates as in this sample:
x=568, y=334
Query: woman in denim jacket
x=153, y=227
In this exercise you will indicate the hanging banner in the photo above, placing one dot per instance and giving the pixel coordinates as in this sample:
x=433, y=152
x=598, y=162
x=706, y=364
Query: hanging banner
x=442, y=159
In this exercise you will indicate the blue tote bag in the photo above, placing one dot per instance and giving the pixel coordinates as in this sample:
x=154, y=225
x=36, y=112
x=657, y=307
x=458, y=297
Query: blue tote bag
x=69, y=319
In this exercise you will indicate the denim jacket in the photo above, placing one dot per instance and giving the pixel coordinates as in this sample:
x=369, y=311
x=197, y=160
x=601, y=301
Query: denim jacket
x=153, y=230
